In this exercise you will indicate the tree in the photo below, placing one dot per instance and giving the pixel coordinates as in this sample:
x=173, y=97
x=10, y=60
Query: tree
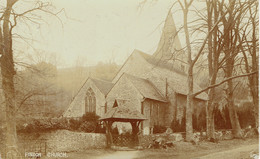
x=8, y=72
x=8, y=20
x=250, y=47
x=231, y=26
x=191, y=63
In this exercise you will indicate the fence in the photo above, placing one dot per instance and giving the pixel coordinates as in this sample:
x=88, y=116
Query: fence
x=123, y=140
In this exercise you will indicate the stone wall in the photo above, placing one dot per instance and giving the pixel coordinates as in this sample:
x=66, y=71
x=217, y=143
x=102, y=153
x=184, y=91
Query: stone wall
x=66, y=141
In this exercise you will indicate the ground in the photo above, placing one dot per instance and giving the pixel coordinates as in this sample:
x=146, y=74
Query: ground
x=229, y=149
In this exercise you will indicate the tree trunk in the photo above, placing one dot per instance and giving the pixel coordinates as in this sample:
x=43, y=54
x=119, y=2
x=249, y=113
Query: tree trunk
x=8, y=72
x=230, y=50
x=189, y=126
x=254, y=87
x=232, y=111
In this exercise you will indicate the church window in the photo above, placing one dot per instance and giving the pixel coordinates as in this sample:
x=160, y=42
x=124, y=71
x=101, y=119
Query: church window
x=90, y=101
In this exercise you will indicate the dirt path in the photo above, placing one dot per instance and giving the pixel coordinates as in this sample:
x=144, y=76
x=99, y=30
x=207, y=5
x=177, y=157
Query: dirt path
x=243, y=152
x=120, y=155
x=237, y=153
x=230, y=149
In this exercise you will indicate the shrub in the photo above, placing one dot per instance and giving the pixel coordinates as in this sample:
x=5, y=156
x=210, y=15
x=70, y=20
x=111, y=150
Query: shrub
x=159, y=129
x=88, y=126
x=59, y=124
x=74, y=124
x=90, y=116
x=42, y=125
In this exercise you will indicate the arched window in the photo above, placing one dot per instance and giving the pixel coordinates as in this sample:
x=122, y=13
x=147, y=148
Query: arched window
x=90, y=101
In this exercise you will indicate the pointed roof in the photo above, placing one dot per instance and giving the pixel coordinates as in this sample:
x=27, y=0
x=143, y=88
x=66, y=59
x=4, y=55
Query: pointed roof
x=160, y=63
x=146, y=88
x=169, y=41
x=123, y=112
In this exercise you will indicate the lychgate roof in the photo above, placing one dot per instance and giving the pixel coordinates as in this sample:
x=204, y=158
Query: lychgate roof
x=123, y=112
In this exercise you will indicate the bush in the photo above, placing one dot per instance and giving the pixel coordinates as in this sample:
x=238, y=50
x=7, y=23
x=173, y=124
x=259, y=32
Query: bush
x=245, y=115
x=159, y=129
x=90, y=116
x=74, y=124
x=88, y=126
x=42, y=125
x=88, y=123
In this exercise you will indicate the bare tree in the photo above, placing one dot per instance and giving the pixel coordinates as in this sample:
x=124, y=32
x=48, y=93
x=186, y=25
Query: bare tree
x=191, y=63
x=250, y=48
x=8, y=20
x=231, y=26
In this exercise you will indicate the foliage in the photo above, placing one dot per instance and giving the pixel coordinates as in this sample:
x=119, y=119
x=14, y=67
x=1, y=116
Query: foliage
x=74, y=124
x=179, y=126
x=88, y=123
x=199, y=123
x=159, y=129
x=246, y=115
x=90, y=116
x=42, y=125
x=88, y=126
x=221, y=118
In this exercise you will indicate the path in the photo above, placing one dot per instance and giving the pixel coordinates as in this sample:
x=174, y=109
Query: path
x=237, y=153
x=120, y=155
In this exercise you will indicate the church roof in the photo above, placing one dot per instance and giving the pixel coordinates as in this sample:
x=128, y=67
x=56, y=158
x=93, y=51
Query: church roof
x=123, y=112
x=177, y=79
x=160, y=63
x=103, y=86
x=146, y=88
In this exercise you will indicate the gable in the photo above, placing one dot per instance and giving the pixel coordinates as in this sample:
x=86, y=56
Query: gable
x=134, y=65
x=124, y=90
x=76, y=107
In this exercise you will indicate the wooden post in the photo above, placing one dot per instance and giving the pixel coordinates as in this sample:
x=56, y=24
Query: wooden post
x=110, y=132
x=135, y=130
x=108, y=125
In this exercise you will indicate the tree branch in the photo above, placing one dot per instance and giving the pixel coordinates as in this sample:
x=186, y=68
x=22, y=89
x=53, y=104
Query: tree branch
x=228, y=79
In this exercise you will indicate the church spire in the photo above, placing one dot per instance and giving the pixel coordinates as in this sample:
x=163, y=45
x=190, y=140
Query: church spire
x=169, y=42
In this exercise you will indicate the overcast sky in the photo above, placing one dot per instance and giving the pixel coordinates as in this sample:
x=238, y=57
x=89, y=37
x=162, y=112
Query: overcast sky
x=100, y=30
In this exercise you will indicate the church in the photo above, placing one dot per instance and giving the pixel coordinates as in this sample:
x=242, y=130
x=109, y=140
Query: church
x=155, y=85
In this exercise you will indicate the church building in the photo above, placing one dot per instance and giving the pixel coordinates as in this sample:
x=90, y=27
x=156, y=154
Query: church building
x=155, y=85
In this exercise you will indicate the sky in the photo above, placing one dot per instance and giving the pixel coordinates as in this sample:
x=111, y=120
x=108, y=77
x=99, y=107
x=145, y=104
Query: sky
x=92, y=31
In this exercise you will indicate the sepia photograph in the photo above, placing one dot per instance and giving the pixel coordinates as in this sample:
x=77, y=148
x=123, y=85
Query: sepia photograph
x=129, y=79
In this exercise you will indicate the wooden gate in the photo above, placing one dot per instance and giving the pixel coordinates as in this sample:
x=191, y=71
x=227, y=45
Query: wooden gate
x=123, y=140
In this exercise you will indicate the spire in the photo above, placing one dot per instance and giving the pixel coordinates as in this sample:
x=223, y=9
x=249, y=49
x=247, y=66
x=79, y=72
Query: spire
x=169, y=42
